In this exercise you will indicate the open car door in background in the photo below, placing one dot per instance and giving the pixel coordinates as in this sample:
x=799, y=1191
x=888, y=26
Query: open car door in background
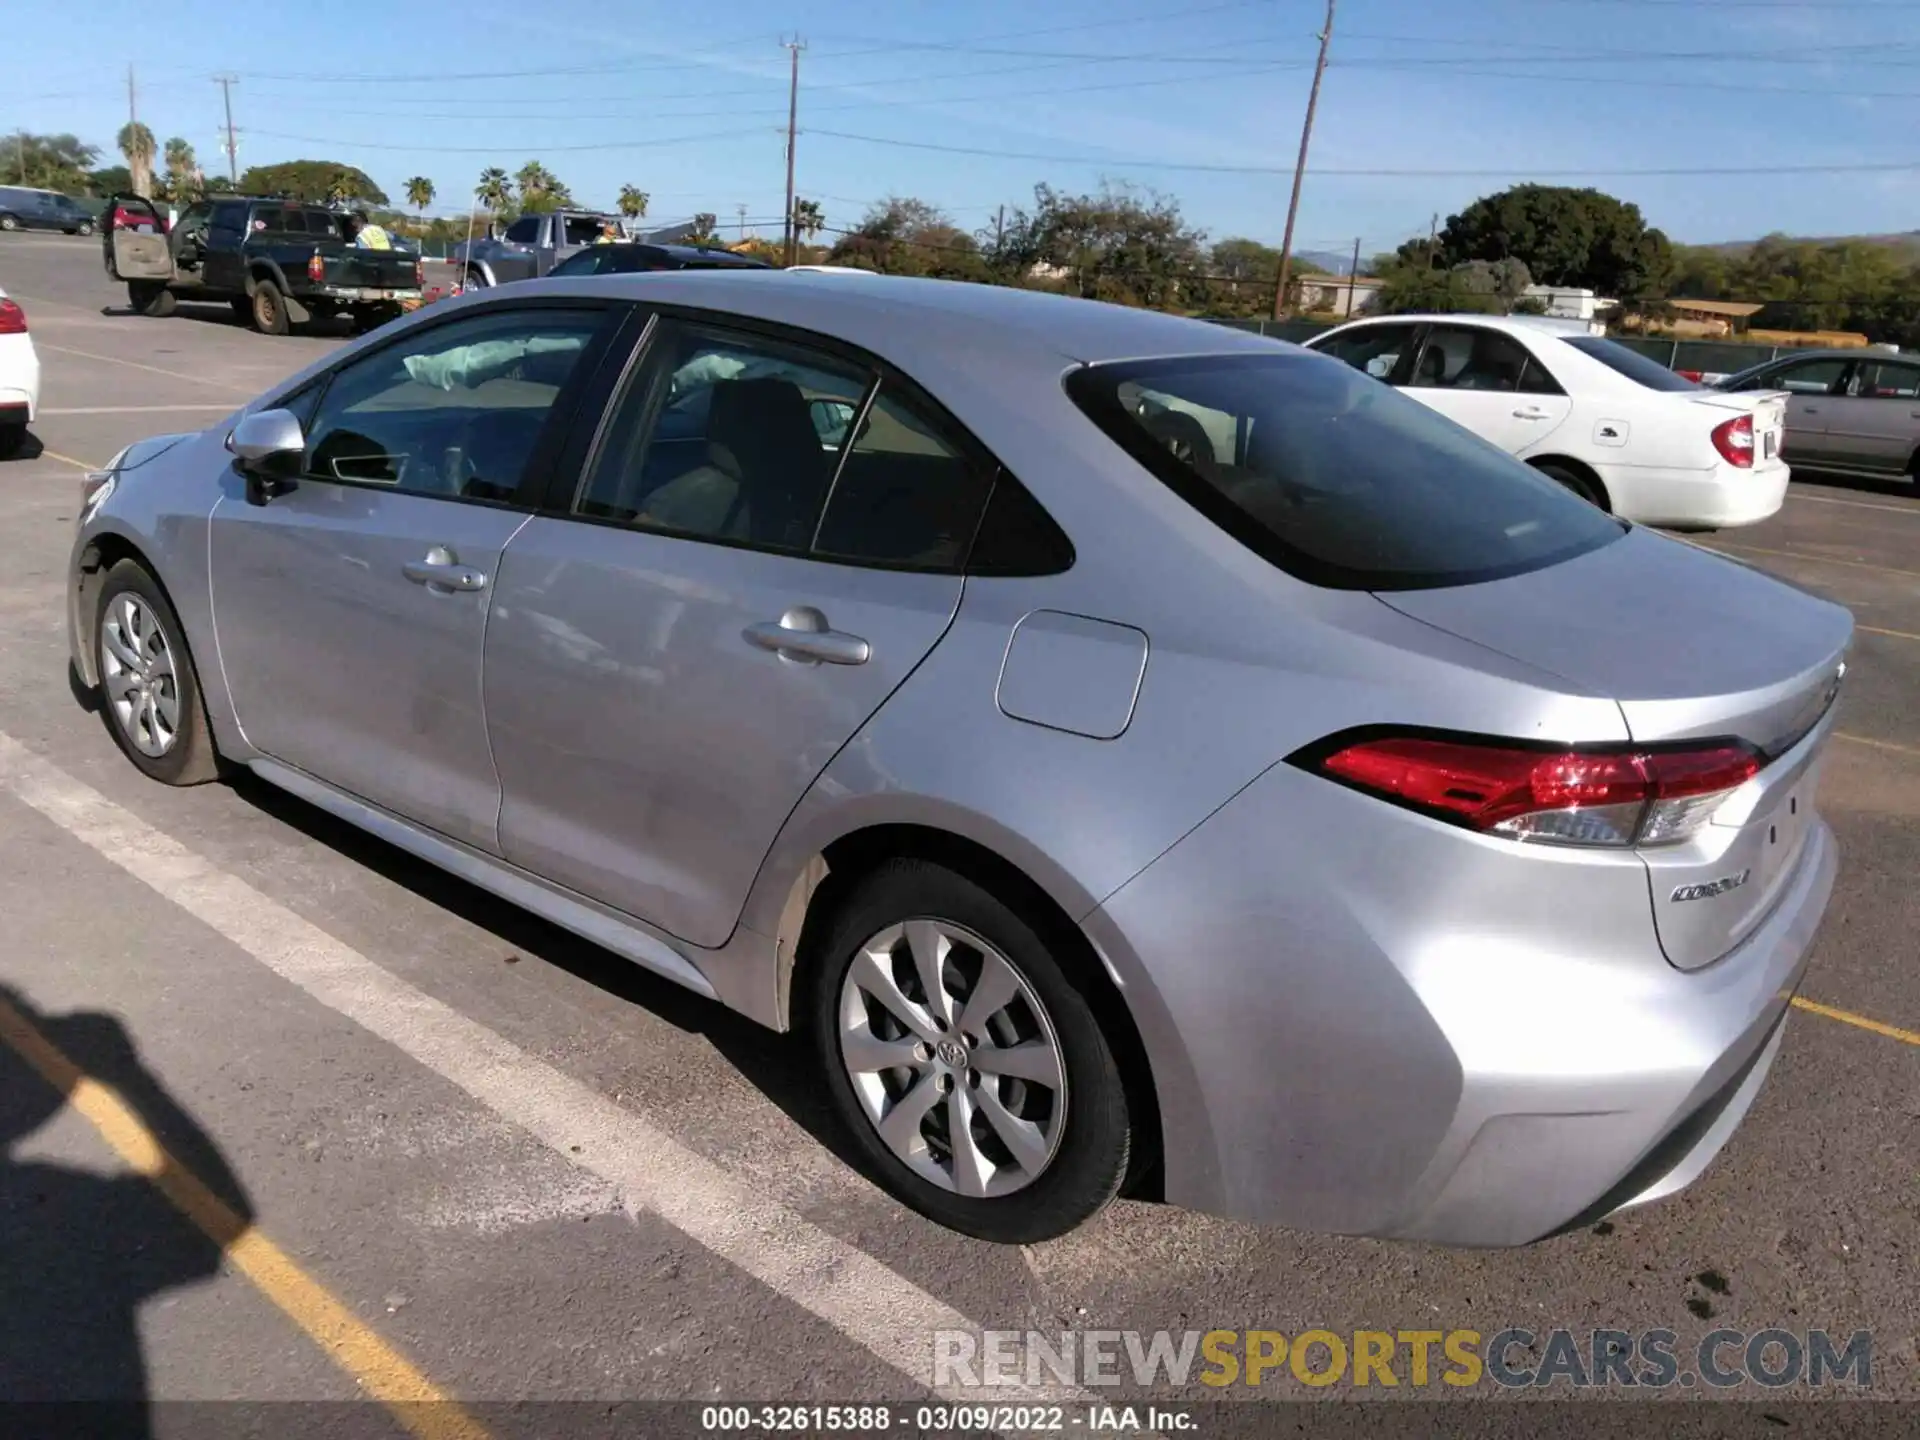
x=135, y=235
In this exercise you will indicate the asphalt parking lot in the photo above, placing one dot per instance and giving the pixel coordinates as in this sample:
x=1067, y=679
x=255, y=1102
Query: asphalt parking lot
x=437, y=1149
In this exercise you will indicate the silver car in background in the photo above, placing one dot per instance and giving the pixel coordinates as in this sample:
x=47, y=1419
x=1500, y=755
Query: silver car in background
x=1137, y=755
x=1849, y=412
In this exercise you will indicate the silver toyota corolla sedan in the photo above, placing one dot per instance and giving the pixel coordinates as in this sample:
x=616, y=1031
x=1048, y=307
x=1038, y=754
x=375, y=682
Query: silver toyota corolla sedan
x=1143, y=758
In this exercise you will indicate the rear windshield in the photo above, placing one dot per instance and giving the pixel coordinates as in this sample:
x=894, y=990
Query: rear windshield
x=1630, y=363
x=1335, y=477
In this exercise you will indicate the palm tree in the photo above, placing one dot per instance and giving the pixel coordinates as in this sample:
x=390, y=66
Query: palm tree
x=633, y=202
x=495, y=190
x=136, y=143
x=183, y=171
x=808, y=219
x=536, y=183
x=420, y=195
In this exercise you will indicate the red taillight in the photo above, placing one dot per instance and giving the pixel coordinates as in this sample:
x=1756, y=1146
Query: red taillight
x=316, y=269
x=13, y=320
x=1573, y=797
x=1734, y=441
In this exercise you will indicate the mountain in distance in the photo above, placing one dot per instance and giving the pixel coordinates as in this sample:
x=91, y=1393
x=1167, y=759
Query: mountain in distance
x=1905, y=241
x=1339, y=264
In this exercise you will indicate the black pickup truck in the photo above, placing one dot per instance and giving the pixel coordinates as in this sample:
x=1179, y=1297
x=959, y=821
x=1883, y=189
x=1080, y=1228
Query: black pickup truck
x=278, y=263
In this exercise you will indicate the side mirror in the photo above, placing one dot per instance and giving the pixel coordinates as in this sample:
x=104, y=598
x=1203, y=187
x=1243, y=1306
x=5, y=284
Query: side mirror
x=268, y=447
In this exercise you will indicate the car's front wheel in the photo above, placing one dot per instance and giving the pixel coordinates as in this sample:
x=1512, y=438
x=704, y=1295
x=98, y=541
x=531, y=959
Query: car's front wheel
x=968, y=1065
x=476, y=278
x=7, y=222
x=85, y=228
x=148, y=686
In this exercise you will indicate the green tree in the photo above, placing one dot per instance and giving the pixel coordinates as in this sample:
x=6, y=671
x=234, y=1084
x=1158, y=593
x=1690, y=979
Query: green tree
x=495, y=190
x=633, y=202
x=420, y=195
x=1125, y=244
x=110, y=180
x=705, y=228
x=47, y=162
x=808, y=219
x=1578, y=238
x=905, y=236
x=312, y=180
x=540, y=189
x=136, y=143
x=183, y=181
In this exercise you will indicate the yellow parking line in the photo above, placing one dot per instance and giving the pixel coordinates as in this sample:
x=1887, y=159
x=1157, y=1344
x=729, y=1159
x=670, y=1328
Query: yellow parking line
x=1815, y=559
x=1896, y=634
x=66, y=460
x=1877, y=744
x=1847, y=1017
x=382, y=1371
x=1855, y=504
x=137, y=365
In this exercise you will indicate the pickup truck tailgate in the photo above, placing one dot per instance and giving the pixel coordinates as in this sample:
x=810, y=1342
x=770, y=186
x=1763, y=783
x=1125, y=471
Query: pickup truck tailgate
x=373, y=270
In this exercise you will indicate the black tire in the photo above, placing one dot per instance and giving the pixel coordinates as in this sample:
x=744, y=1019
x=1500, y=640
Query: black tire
x=150, y=298
x=1091, y=1157
x=242, y=309
x=268, y=309
x=8, y=222
x=191, y=758
x=476, y=279
x=13, y=439
x=86, y=228
x=1579, y=484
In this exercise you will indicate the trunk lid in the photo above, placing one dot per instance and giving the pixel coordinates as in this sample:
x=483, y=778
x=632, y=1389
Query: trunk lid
x=1692, y=646
x=1768, y=409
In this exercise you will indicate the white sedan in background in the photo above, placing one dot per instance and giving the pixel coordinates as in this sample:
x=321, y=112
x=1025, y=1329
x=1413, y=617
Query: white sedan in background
x=1605, y=421
x=19, y=378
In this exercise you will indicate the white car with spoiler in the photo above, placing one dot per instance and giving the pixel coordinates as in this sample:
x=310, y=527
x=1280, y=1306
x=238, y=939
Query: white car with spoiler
x=1610, y=424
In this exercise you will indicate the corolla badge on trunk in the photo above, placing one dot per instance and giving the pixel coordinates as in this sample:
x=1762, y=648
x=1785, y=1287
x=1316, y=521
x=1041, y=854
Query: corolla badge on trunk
x=1712, y=887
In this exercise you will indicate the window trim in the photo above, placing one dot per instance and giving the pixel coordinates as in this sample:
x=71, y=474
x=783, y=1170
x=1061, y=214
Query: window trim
x=555, y=432
x=617, y=372
x=1839, y=387
x=1402, y=367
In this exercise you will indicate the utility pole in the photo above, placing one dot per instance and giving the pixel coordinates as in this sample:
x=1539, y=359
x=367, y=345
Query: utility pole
x=1433, y=238
x=1300, y=168
x=1353, y=276
x=794, y=47
x=226, y=83
x=741, y=211
x=23, y=157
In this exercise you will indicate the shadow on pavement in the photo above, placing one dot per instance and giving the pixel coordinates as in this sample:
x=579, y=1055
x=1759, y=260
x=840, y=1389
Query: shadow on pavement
x=778, y=1065
x=81, y=1251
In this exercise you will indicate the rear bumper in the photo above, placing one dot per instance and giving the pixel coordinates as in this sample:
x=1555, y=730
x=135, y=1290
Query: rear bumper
x=363, y=295
x=1480, y=1053
x=1720, y=498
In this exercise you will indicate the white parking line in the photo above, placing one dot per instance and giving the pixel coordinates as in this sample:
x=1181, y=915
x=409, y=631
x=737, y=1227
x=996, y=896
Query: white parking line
x=844, y=1286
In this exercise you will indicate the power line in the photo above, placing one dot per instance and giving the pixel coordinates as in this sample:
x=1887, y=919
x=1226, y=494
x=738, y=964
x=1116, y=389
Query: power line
x=500, y=148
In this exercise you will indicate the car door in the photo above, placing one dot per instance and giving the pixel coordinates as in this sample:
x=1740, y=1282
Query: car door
x=1874, y=424
x=682, y=646
x=516, y=256
x=1491, y=383
x=350, y=612
x=138, y=247
x=1812, y=385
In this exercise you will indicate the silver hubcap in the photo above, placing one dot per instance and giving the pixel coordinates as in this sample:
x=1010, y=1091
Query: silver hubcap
x=136, y=665
x=954, y=1058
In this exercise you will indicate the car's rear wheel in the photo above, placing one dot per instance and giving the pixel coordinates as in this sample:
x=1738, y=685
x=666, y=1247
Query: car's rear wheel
x=12, y=439
x=148, y=687
x=270, y=309
x=1584, y=486
x=150, y=298
x=476, y=278
x=967, y=1064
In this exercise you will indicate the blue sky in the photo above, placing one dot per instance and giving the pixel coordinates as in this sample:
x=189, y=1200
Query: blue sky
x=1442, y=100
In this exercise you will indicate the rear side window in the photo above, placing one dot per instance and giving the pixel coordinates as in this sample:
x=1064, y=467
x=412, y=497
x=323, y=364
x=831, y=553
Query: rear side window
x=1334, y=478
x=1630, y=363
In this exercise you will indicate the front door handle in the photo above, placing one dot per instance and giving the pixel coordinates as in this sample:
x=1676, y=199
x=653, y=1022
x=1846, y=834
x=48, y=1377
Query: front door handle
x=442, y=571
x=803, y=637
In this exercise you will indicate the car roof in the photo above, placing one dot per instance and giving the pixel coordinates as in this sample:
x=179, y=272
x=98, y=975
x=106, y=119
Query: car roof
x=1510, y=324
x=895, y=316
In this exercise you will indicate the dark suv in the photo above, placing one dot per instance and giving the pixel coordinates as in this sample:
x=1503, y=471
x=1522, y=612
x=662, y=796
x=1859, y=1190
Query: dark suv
x=25, y=209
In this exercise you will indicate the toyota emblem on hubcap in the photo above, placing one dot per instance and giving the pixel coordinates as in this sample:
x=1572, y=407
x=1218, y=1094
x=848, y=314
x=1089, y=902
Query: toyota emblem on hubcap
x=953, y=1053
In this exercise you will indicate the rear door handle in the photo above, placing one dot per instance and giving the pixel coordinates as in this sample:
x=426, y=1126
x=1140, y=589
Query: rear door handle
x=442, y=571
x=803, y=637
x=1532, y=413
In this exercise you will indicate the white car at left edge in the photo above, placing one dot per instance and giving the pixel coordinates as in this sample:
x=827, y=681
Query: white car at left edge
x=19, y=378
x=1607, y=422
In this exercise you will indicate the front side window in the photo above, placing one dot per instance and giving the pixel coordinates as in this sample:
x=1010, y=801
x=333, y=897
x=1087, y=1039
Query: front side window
x=725, y=436
x=1339, y=481
x=1809, y=377
x=455, y=410
x=1468, y=357
x=583, y=230
x=1375, y=350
